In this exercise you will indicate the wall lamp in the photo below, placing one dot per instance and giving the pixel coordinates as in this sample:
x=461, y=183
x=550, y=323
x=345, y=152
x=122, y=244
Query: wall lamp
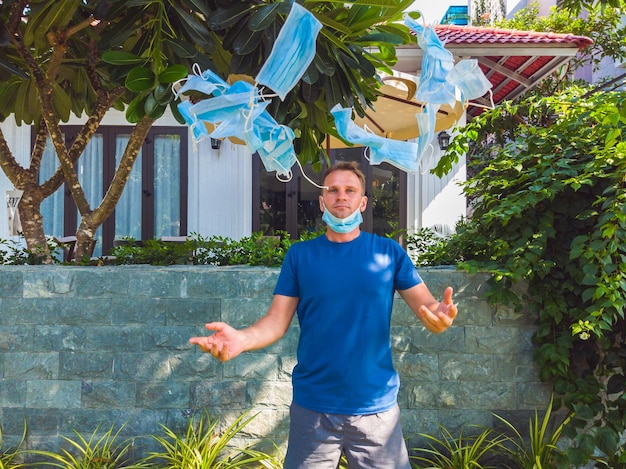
x=444, y=140
x=216, y=143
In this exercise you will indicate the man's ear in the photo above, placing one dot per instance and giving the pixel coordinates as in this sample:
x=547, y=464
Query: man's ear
x=363, y=203
x=321, y=200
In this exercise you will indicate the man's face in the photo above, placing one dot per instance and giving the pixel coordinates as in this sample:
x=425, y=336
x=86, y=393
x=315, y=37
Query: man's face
x=343, y=195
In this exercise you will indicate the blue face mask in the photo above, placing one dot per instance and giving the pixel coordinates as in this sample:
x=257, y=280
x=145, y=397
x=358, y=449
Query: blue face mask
x=436, y=64
x=469, y=79
x=403, y=155
x=292, y=52
x=343, y=225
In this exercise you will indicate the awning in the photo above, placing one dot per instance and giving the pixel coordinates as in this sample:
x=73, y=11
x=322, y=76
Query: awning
x=513, y=61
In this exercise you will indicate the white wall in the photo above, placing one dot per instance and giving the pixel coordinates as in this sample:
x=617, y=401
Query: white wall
x=18, y=140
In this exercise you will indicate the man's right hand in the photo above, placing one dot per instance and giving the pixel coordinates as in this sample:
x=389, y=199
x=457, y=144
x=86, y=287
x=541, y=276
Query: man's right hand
x=225, y=344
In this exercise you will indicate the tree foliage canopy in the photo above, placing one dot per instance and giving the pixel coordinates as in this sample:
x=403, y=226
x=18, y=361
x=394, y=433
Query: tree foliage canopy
x=84, y=57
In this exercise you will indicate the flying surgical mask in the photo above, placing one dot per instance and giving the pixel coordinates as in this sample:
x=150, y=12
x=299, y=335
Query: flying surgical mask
x=343, y=225
x=403, y=155
x=469, y=79
x=437, y=62
x=292, y=52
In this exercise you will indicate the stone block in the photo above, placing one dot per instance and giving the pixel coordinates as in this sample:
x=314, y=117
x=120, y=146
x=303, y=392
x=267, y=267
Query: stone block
x=470, y=395
x=233, y=282
x=133, y=366
x=31, y=365
x=504, y=340
x=49, y=283
x=466, y=367
x=86, y=365
x=216, y=395
x=424, y=341
x=167, y=338
x=12, y=393
x=85, y=338
x=51, y=394
x=18, y=338
x=156, y=283
x=191, y=365
x=519, y=367
x=416, y=394
x=12, y=283
x=275, y=394
x=108, y=394
x=163, y=395
x=192, y=311
x=146, y=311
x=419, y=366
x=104, y=282
x=252, y=366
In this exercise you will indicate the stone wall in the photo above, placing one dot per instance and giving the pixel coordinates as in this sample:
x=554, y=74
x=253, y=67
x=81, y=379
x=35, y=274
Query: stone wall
x=88, y=346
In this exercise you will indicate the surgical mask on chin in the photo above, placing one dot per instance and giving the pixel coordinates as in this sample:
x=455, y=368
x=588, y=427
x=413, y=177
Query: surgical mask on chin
x=343, y=225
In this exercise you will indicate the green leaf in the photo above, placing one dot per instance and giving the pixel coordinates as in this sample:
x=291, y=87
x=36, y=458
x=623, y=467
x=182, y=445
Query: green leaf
x=61, y=102
x=223, y=18
x=245, y=42
x=607, y=440
x=181, y=48
x=120, y=57
x=176, y=113
x=173, y=73
x=152, y=107
x=140, y=79
x=136, y=109
x=263, y=17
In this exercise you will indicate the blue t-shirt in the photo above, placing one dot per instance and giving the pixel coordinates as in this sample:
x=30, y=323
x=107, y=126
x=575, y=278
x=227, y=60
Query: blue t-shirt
x=345, y=293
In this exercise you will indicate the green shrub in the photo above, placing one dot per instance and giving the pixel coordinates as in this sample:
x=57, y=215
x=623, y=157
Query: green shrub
x=549, y=208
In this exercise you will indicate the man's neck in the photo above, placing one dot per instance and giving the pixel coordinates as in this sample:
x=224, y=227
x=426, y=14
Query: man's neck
x=335, y=237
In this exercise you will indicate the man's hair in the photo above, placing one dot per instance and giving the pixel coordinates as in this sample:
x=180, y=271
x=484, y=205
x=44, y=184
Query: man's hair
x=351, y=166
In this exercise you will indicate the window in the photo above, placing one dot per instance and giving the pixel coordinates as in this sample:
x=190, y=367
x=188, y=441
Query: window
x=154, y=201
x=293, y=206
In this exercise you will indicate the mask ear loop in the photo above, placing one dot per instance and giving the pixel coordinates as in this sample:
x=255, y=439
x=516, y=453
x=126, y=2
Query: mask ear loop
x=304, y=175
x=482, y=105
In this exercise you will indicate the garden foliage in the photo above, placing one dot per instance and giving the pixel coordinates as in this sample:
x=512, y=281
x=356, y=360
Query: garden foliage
x=548, y=208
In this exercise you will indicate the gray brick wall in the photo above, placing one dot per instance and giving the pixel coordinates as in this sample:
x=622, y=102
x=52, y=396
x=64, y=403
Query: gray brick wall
x=86, y=346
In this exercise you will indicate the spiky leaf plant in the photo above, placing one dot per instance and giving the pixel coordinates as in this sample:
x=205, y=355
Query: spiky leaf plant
x=98, y=452
x=202, y=446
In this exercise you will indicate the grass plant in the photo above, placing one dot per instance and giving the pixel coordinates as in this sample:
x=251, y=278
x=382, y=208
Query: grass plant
x=203, y=447
x=466, y=451
x=97, y=452
x=10, y=457
x=539, y=450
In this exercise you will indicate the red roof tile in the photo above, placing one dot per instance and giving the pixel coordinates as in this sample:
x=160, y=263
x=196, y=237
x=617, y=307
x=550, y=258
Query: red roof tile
x=453, y=34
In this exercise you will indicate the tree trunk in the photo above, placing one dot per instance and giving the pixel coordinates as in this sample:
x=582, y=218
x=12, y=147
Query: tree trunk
x=85, y=241
x=32, y=226
x=91, y=221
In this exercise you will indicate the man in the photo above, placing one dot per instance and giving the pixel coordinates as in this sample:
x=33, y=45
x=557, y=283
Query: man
x=342, y=285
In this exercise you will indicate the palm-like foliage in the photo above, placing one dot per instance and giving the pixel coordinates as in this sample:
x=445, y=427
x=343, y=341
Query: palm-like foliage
x=96, y=452
x=9, y=457
x=539, y=450
x=203, y=447
x=466, y=451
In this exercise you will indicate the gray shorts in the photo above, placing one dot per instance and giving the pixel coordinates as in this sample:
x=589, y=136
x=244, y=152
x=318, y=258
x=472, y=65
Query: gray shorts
x=317, y=440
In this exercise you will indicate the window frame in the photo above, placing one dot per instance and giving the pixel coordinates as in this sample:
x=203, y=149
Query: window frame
x=110, y=133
